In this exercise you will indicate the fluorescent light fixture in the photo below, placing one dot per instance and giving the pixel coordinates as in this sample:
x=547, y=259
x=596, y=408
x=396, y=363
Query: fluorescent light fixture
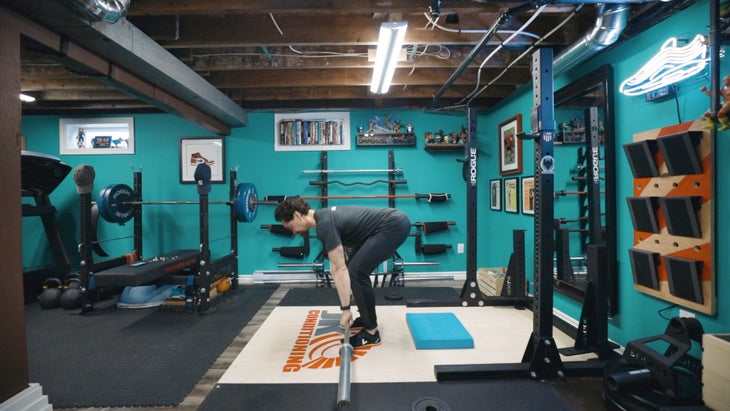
x=671, y=64
x=26, y=98
x=390, y=42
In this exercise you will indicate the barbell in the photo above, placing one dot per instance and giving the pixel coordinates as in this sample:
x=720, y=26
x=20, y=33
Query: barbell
x=116, y=201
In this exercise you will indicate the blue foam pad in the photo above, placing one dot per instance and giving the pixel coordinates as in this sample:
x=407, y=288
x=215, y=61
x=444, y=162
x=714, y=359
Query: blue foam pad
x=438, y=331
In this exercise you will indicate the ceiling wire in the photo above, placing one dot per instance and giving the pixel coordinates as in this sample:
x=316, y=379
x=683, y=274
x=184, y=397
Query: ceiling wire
x=434, y=24
x=273, y=20
x=501, y=45
x=473, y=95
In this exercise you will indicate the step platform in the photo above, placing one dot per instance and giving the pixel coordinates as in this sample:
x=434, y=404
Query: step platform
x=438, y=331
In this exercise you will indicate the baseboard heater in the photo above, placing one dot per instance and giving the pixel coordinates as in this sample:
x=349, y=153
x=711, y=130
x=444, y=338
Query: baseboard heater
x=307, y=276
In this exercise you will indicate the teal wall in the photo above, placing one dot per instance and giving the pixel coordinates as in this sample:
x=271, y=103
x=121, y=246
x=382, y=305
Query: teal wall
x=637, y=312
x=251, y=150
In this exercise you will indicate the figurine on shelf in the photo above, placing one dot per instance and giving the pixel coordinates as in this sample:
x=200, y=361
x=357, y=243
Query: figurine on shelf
x=722, y=113
x=385, y=124
x=428, y=138
x=440, y=137
x=459, y=137
x=80, y=138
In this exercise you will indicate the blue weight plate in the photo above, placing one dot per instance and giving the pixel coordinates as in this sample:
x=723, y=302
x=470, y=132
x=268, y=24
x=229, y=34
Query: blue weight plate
x=116, y=197
x=243, y=202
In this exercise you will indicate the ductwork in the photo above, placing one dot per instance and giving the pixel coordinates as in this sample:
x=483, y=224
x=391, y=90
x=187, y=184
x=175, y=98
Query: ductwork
x=610, y=23
x=102, y=10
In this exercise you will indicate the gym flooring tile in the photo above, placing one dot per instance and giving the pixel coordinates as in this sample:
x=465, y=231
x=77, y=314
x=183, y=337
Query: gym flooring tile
x=248, y=372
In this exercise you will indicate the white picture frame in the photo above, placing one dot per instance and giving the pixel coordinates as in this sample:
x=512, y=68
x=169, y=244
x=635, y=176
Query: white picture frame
x=312, y=131
x=194, y=150
x=528, y=195
x=96, y=135
x=495, y=194
x=511, y=195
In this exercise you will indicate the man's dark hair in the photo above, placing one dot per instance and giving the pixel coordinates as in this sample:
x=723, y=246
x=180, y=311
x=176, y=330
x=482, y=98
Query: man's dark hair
x=285, y=210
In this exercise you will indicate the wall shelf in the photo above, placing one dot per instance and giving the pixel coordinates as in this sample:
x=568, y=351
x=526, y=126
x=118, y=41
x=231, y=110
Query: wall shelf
x=386, y=139
x=444, y=147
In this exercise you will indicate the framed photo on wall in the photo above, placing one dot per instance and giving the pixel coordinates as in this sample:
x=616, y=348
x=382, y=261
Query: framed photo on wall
x=528, y=195
x=510, y=146
x=511, y=195
x=495, y=194
x=196, y=150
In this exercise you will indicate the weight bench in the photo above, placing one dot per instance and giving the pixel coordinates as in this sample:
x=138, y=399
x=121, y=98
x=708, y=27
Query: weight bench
x=147, y=270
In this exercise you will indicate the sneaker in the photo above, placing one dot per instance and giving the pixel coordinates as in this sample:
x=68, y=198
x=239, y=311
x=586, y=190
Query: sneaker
x=357, y=324
x=365, y=339
x=197, y=158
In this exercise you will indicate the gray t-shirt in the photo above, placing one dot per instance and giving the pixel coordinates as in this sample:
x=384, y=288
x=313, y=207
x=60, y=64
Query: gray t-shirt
x=352, y=225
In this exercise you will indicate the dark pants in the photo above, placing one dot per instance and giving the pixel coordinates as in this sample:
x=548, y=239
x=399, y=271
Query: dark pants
x=376, y=249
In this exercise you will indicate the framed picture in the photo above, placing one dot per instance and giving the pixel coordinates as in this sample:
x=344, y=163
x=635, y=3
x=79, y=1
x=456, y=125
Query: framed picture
x=510, y=147
x=528, y=195
x=196, y=150
x=108, y=135
x=326, y=130
x=495, y=194
x=511, y=195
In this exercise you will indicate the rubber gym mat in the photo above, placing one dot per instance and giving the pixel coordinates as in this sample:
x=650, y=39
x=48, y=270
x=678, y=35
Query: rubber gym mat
x=522, y=394
x=132, y=358
x=383, y=295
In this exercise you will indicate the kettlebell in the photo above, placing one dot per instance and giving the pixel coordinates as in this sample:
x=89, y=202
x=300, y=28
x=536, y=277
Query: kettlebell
x=72, y=296
x=51, y=295
x=223, y=285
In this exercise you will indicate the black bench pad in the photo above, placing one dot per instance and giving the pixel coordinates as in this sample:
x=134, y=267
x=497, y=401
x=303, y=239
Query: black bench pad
x=153, y=269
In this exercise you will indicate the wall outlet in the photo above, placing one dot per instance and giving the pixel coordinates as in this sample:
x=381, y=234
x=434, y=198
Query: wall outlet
x=686, y=314
x=460, y=248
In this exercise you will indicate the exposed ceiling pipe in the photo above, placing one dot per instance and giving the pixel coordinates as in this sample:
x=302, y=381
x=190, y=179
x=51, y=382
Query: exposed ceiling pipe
x=102, y=10
x=610, y=23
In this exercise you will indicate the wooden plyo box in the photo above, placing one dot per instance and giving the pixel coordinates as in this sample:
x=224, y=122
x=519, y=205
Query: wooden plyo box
x=491, y=280
x=716, y=370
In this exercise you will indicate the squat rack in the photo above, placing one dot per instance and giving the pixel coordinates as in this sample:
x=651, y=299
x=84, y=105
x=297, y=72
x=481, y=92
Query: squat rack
x=541, y=359
x=119, y=271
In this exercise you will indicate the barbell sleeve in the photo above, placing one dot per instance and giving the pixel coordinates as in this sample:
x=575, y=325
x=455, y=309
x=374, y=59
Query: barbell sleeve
x=278, y=229
x=434, y=226
x=343, y=386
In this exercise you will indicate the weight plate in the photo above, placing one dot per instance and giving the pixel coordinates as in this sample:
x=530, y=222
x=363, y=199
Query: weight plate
x=101, y=202
x=112, y=205
x=430, y=404
x=244, y=202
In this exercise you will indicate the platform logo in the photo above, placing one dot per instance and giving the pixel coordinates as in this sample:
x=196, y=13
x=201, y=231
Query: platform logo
x=318, y=343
